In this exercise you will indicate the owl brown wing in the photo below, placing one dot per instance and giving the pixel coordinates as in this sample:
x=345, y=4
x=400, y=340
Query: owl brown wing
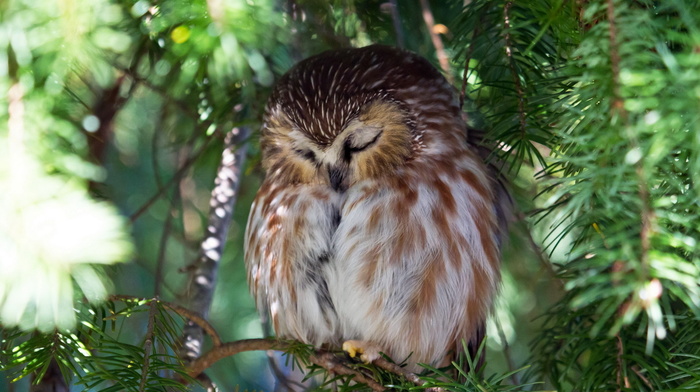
x=288, y=240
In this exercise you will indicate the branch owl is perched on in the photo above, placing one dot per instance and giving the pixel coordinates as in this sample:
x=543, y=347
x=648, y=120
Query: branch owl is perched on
x=376, y=221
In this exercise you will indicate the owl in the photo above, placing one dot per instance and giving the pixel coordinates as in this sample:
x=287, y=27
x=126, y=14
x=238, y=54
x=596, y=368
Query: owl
x=377, y=225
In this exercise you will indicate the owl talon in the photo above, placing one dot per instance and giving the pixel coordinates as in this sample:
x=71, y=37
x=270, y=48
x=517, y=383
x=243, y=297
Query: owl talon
x=369, y=352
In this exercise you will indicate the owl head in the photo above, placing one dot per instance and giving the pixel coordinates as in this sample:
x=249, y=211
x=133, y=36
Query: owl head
x=347, y=115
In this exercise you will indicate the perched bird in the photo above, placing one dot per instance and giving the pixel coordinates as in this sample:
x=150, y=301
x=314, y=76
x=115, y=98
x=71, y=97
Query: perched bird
x=377, y=224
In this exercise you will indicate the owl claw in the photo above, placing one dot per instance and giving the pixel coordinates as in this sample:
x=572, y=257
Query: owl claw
x=369, y=352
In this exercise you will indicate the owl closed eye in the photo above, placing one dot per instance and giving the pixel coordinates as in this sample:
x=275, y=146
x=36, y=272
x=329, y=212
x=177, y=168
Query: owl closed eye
x=375, y=138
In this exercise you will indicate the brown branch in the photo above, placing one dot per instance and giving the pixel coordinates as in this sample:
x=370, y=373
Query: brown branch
x=398, y=370
x=437, y=41
x=333, y=364
x=618, y=103
x=106, y=109
x=206, y=360
x=511, y=65
x=641, y=376
x=618, y=107
x=324, y=359
x=620, y=353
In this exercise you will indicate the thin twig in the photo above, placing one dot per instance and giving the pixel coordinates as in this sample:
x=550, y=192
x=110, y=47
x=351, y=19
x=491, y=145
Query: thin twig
x=167, y=225
x=537, y=250
x=467, y=60
x=620, y=354
x=437, y=41
x=148, y=344
x=506, y=352
x=194, y=317
x=641, y=376
x=511, y=64
x=167, y=97
x=176, y=177
x=163, y=244
x=398, y=370
x=333, y=364
x=618, y=103
x=182, y=311
x=154, y=146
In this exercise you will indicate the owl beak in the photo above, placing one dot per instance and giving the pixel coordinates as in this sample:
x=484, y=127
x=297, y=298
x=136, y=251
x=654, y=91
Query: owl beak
x=336, y=176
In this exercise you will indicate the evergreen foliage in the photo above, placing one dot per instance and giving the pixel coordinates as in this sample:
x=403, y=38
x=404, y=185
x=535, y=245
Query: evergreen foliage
x=119, y=107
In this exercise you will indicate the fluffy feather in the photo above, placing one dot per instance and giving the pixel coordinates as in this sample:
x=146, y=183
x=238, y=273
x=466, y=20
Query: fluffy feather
x=376, y=221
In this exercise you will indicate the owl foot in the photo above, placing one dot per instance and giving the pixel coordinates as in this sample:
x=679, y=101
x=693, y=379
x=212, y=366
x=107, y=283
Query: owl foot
x=369, y=352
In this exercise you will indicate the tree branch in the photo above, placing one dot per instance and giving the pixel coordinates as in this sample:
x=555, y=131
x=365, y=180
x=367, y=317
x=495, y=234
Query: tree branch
x=618, y=107
x=396, y=369
x=176, y=177
x=437, y=41
x=620, y=365
x=322, y=358
x=203, y=271
x=182, y=311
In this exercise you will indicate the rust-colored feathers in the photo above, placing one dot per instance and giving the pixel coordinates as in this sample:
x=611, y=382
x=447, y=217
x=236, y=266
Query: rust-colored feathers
x=376, y=221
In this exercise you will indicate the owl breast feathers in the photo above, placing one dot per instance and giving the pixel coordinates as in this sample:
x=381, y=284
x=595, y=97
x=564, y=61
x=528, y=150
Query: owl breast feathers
x=376, y=221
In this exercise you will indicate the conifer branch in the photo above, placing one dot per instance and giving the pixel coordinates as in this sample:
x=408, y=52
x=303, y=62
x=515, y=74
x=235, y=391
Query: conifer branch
x=398, y=370
x=618, y=103
x=467, y=60
x=513, y=71
x=618, y=107
x=148, y=345
x=182, y=311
